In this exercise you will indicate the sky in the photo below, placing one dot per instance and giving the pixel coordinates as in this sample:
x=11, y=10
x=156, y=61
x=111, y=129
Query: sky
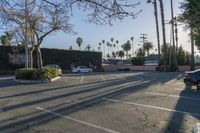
x=120, y=30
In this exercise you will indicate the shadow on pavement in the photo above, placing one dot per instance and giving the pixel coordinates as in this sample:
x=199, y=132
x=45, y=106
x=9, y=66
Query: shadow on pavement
x=38, y=117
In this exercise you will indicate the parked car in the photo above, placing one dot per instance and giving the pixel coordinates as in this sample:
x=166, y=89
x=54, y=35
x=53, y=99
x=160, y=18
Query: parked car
x=192, y=78
x=81, y=69
x=56, y=66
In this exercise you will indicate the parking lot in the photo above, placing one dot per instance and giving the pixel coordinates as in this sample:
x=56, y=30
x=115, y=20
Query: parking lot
x=120, y=102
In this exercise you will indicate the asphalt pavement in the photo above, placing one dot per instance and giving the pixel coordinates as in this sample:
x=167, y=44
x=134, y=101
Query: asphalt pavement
x=118, y=102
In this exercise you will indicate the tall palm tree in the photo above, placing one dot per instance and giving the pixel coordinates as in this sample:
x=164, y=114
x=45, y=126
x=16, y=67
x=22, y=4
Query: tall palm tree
x=147, y=47
x=126, y=47
x=108, y=45
x=163, y=32
x=104, y=50
x=117, y=42
x=157, y=28
x=88, y=47
x=111, y=48
x=99, y=46
x=79, y=41
x=132, y=38
x=114, y=46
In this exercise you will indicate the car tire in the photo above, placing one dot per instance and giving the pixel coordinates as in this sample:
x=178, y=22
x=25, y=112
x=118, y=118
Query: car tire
x=89, y=71
x=78, y=71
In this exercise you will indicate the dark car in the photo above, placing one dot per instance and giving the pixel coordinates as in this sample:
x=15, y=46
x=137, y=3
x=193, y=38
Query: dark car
x=192, y=78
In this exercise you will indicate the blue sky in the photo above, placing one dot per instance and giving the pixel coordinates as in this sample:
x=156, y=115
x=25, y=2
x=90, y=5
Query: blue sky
x=92, y=34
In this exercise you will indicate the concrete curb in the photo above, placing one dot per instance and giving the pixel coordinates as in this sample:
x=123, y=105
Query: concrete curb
x=37, y=81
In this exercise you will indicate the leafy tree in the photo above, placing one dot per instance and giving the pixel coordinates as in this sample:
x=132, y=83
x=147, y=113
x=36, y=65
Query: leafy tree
x=34, y=20
x=6, y=39
x=139, y=58
x=147, y=47
x=190, y=17
x=126, y=47
x=79, y=41
x=181, y=57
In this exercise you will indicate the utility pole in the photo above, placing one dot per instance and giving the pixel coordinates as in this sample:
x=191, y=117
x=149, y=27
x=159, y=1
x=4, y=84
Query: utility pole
x=144, y=39
x=174, y=63
x=176, y=38
x=164, y=35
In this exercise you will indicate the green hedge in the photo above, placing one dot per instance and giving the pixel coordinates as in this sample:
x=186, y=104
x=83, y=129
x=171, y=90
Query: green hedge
x=64, y=58
x=45, y=73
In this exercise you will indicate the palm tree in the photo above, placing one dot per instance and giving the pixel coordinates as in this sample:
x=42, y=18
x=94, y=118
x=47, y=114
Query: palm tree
x=132, y=38
x=163, y=32
x=112, y=39
x=120, y=54
x=147, y=47
x=157, y=28
x=114, y=46
x=108, y=45
x=79, y=41
x=99, y=46
x=126, y=47
x=117, y=42
x=111, y=48
x=104, y=50
x=88, y=47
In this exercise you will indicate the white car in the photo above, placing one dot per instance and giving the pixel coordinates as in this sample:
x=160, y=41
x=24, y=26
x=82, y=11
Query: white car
x=81, y=69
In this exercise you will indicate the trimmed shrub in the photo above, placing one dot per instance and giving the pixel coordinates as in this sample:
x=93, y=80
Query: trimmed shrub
x=45, y=73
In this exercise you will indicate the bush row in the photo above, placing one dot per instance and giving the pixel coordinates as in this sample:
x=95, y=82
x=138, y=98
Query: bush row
x=45, y=73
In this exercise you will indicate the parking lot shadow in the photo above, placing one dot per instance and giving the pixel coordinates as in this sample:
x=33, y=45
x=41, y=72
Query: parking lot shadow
x=37, y=118
x=186, y=106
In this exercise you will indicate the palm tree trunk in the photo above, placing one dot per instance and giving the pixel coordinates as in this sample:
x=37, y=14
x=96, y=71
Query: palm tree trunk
x=157, y=31
x=164, y=36
x=192, y=67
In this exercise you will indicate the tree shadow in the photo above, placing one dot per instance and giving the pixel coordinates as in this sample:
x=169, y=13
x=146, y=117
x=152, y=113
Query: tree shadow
x=38, y=117
x=187, y=106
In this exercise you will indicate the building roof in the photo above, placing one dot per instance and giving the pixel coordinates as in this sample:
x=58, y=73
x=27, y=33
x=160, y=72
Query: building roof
x=152, y=57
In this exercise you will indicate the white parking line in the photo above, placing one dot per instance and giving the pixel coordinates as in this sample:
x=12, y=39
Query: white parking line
x=103, y=78
x=168, y=95
x=179, y=89
x=78, y=121
x=153, y=107
x=120, y=77
x=82, y=79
